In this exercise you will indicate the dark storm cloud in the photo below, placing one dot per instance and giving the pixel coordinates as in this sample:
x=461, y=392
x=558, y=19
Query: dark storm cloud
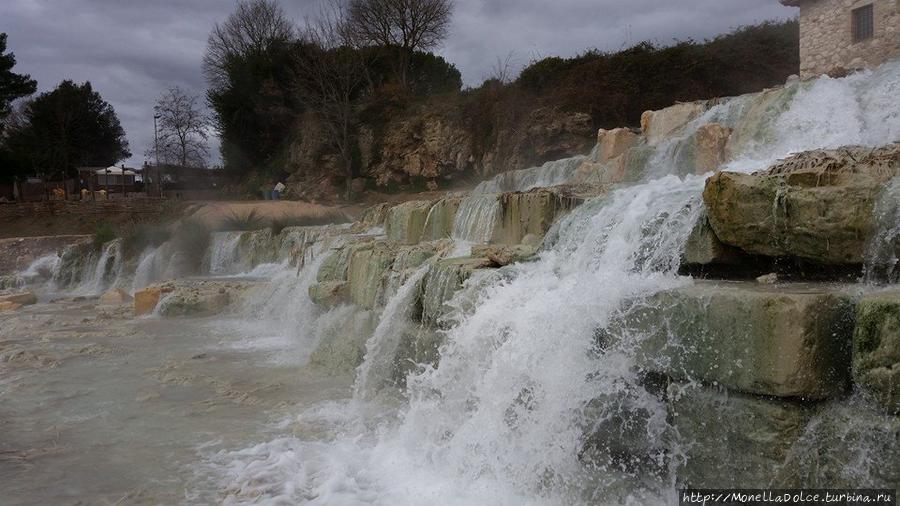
x=133, y=50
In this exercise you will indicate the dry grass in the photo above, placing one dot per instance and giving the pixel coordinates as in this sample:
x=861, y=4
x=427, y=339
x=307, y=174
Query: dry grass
x=263, y=214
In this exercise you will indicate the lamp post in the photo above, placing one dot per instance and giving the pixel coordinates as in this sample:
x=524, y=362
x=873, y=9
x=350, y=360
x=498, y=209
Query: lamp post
x=156, y=148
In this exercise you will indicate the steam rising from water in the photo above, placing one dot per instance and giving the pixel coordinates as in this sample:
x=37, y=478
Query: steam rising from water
x=527, y=369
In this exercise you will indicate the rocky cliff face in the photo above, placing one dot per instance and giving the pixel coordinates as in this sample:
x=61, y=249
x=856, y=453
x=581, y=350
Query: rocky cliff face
x=433, y=147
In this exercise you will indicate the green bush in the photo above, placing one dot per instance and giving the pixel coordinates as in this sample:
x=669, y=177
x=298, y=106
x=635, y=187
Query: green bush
x=139, y=236
x=192, y=238
x=103, y=234
x=250, y=220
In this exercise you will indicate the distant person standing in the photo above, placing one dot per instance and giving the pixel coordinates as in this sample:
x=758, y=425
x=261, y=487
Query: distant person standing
x=276, y=194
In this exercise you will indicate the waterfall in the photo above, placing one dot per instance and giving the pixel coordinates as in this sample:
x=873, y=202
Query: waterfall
x=382, y=346
x=475, y=219
x=531, y=362
x=499, y=420
x=223, y=253
x=552, y=173
x=40, y=271
x=883, y=256
x=79, y=269
x=524, y=362
x=158, y=264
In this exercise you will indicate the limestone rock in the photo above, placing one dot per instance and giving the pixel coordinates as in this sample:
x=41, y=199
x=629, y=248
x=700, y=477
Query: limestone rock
x=114, y=297
x=816, y=205
x=529, y=213
x=704, y=248
x=732, y=440
x=10, y=306
x=710, y=140
x=330, y=293
x=22, y=298
x=373, y=216
x=613, y=143
x=366, y=270
x=427, y=145
x=443, y=280
x=876, y=348
x=17, y=253
x=778, y=340
x=657, y=125
x=145, y=300
x=343, y=344
x=440, y=219
x=405, y=222
x=199, y=298
x=768, y=279
x=839, y=433
x=629, y=166
x=501, y=255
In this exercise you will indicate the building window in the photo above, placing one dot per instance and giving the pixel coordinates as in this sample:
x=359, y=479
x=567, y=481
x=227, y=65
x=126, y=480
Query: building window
x=863, y=23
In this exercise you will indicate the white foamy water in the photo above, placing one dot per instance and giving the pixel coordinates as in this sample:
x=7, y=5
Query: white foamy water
x=223, y=255
x=40, y=271
x=106, y=270
x=552, y=173
x=476, y=218
x=501, y=418
x=882, y=262
x=502, y=408
x=382, y=346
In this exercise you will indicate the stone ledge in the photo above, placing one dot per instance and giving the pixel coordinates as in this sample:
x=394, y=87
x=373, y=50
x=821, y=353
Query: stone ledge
x=783, y=340
x=876, y=348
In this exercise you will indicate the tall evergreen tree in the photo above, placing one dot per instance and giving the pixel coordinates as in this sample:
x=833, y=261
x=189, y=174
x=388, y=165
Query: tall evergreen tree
x=65, y=128
x=12, y=85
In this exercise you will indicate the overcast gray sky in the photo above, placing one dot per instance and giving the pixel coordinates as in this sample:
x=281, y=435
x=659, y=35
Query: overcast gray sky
x=133, y=50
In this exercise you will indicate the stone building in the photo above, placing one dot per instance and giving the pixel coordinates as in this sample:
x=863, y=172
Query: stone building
x=841, y=35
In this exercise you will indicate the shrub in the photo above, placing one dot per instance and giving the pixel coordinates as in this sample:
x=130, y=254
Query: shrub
x=139, y=236
x=103, y=234
x=192, y=238
x=250, y=220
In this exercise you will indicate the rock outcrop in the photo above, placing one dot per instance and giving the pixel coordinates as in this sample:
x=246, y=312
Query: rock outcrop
x=405, y=222
x=876, y=348
x=776, y=340
x=816, y=206
x=21, y=298
x=114, y=297
x=710, y=152
x=425, y=146
x=716, y=424
x=658, y=125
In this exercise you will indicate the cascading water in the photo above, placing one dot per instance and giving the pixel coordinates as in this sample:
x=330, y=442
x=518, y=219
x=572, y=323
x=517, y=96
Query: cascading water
x=106, y=270
x=223, y=257
x=498, y=420
x=883, y=259
x=549, y=174
x=476, y=218
x=40, y=272
x=529, y=367
x=382, y=346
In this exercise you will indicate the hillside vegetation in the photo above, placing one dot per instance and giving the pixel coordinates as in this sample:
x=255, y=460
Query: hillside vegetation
x=431, y=133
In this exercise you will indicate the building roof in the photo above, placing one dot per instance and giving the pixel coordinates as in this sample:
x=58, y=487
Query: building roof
x=115, y=171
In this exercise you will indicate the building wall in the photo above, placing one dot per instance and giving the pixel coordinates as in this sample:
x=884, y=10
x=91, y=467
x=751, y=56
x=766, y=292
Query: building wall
x=88, y=210
x=826, y=40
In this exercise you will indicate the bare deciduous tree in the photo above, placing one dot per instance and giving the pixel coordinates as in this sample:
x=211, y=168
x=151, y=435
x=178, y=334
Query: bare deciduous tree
x=502, y=70
x=250, y=29
x=182, y=129
x=409, y=25
x=331, y=76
